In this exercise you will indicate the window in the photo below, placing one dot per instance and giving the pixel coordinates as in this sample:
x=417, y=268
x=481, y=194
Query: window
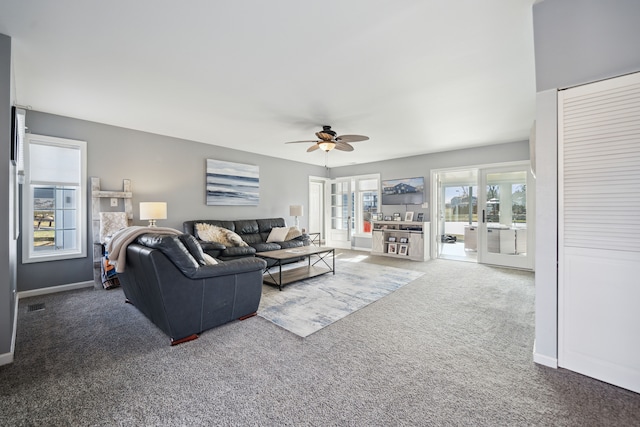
x=54, y=213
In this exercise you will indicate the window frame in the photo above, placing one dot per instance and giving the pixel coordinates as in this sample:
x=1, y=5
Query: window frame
x=29, y=255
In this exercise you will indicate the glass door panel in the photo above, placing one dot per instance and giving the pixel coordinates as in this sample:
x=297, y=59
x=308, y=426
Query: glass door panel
x=340, y=206
x=457, y=214
x=504, y=231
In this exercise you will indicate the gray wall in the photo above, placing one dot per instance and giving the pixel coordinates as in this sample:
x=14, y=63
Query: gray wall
x=581, y=41
x=576, y=42
x=7, y=248
x=166, y=169
x=422, y=165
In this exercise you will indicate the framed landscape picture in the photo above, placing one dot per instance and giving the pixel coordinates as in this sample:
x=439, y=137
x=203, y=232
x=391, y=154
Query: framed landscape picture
x=232, y=184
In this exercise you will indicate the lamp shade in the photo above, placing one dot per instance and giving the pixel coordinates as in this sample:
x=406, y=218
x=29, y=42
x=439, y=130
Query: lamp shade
x=295, y=210
x=153, y=210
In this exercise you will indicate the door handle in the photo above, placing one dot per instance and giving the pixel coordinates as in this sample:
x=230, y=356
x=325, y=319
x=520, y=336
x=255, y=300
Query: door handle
x=484, y=219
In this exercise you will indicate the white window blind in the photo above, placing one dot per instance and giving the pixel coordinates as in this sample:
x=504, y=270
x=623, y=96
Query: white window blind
x=54, y=164
x=601, y=177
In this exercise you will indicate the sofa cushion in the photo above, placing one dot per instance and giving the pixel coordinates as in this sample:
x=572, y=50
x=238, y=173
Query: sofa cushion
x=278, y=234
x=265, y=247
x=246, y=226
x=291, y=244
x=238, y=251
x=213, y=233
x=265, y=225
x=251, y=239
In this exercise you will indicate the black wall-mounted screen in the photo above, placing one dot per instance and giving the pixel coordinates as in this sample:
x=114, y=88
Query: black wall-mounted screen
x=405, y=191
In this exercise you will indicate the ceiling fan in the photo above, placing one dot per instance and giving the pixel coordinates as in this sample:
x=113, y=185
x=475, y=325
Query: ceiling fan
x=328, y=140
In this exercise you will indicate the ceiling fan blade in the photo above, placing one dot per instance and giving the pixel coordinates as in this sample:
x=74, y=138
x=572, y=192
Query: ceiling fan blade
x=351, y=138
x=295, y=142
x=343, y=146
x=314, y=147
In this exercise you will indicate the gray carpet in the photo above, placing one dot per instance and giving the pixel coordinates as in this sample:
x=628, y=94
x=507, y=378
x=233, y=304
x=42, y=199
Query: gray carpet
x=453, y=347
x=310, y=305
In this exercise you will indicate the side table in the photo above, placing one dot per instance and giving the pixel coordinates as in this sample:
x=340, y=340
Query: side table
x=314, y=238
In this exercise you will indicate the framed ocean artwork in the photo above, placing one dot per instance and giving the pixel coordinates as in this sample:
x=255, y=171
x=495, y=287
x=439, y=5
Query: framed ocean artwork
x=232, y=184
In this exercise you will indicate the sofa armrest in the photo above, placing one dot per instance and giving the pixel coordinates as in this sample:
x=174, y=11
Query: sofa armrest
x=211, y=246
x=226, y=268
x=305, y=239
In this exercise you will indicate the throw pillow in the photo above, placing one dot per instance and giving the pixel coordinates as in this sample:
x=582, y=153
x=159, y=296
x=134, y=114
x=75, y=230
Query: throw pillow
x=278, y=234
x=212, y=233
x=293, y=233
x=209, y=259
x=111, y=223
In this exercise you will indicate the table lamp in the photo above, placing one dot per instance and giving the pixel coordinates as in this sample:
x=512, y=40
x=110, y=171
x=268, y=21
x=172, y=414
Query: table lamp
x=296, y=211
x=153, y=211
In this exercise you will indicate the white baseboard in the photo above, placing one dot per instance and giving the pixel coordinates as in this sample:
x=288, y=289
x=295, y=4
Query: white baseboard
x=55, y=289
x=7, y=358
x=541, y=359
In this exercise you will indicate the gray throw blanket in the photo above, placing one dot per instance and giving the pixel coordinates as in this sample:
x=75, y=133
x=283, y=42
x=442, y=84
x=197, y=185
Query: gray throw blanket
x=117, y=246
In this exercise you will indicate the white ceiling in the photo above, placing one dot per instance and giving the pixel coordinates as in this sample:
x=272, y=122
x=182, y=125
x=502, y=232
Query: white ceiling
x=416, y=76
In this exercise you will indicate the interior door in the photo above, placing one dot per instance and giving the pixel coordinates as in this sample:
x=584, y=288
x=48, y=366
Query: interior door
x=505, y=226
x=340, y=206
x=316, y=206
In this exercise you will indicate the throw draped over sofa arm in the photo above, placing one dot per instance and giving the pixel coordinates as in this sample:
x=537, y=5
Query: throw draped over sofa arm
x=180, y=293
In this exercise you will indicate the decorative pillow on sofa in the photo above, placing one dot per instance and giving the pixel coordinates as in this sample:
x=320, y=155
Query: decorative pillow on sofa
x=278, y=234
x=111, y=223
x=209, y=259
x=212, y=233
x=293, y=233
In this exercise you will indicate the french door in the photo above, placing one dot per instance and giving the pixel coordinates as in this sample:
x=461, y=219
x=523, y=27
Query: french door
x=484, y=214
x=351, y=204
x=505, y=216
x=340, y=207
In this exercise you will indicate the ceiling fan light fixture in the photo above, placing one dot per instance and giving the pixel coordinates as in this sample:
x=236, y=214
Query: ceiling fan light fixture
x=327, y=145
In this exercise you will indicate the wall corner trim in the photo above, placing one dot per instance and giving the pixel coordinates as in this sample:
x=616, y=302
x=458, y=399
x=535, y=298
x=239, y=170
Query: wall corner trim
x=541, y=359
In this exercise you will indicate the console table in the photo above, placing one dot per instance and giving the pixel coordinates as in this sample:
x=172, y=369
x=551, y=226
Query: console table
x=401, y=239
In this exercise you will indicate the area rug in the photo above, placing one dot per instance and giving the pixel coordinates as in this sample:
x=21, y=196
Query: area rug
x=307, y=306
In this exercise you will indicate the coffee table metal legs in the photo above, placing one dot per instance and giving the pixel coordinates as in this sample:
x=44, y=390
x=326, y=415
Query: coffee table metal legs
x=301, y=272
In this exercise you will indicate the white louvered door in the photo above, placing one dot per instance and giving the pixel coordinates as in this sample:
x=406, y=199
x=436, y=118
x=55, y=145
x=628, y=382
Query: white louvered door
x=599, y=230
